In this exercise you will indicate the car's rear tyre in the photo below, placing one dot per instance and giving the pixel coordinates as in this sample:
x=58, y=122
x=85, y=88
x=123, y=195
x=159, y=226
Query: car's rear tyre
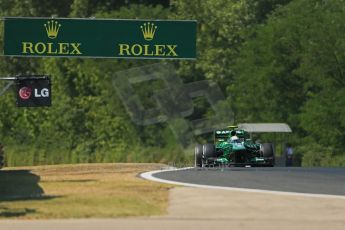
x=267, y=152
x=198, y=155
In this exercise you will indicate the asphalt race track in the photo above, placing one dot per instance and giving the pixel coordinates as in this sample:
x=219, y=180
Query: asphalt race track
x=329, y=181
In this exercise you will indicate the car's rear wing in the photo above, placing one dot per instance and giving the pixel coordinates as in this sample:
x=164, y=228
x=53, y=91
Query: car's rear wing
x=221, y=135
x=224, y=134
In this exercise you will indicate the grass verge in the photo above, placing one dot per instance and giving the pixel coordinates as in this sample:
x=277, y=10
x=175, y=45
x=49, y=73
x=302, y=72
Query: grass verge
x=80, y=191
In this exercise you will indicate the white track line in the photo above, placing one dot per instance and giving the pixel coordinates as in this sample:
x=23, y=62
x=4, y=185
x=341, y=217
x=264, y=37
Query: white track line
x=150, y=176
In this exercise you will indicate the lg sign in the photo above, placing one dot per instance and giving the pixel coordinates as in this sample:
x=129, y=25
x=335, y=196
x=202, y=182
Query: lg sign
x=26, y=92
x=33, y=92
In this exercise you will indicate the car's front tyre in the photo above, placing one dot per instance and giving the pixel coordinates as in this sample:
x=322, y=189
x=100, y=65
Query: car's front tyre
x=267, y=152
x=198, y=155
x=208, y=151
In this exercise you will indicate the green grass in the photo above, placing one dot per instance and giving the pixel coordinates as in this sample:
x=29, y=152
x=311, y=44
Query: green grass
x=80, y=191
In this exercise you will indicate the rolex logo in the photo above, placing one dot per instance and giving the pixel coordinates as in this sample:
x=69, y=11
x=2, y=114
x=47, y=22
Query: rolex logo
x=52, y=28
x=52, y=48
x=148, y=30
x=149, y=50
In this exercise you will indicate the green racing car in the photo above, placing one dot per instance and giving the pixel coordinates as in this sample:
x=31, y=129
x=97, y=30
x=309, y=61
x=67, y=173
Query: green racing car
x=233, y=147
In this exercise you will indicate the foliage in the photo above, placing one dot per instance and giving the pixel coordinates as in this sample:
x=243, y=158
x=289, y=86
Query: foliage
x=276, y=61
x=292, y=71
x=221, y=29
x=316, y=155
x=87, y=121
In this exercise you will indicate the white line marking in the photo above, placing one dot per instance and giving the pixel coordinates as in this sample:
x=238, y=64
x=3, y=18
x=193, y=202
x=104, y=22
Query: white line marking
x=150, y=176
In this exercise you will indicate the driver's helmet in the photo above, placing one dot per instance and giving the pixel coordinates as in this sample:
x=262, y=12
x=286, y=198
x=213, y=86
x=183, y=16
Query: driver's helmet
x=234, y=139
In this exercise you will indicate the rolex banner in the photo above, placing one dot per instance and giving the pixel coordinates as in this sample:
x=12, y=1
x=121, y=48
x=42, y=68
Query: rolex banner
x=61, y=37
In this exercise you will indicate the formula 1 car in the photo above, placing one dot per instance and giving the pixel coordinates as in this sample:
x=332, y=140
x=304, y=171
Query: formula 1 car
x=233, y=147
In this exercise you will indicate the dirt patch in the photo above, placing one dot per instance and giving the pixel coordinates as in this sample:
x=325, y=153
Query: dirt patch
x=81, y=191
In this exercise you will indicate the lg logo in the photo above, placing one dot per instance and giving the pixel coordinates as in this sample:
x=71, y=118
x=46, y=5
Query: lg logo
x=26, y=92
x=44, y=93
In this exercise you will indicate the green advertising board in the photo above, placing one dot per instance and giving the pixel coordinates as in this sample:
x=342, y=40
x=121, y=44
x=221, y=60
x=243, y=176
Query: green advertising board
x=102, y=38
